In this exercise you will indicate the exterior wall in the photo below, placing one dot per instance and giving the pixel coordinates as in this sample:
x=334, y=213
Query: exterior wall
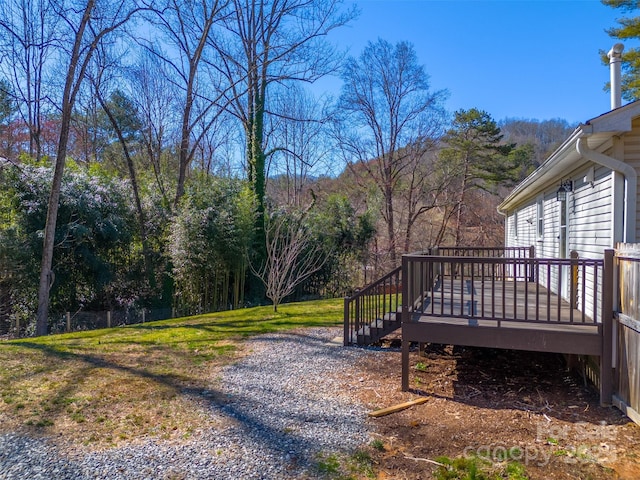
x=632, y=157
x=589, y=227
x=594, y=207
x=589, y=219
x=590, y=215
x=547, y=244
x=521, y=227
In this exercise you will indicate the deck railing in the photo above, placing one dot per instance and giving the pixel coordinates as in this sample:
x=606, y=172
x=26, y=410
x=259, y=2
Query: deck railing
x=374, y=303
x=380, y=302
x=510, y=287
x=423, y=275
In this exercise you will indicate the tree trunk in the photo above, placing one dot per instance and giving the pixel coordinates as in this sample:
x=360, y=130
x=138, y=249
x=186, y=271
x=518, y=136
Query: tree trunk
x=463, y=191
x=46, y=274
x=390, y=225
x=146, y=251
x=185, y=151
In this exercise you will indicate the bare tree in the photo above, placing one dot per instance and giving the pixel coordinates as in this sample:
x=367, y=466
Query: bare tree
x=87, y=28
x=544, y=135
x=122, y=116
x=28, y=39
x=302, y=142
x=388, y=110
x=291, y=257
x=153, y=98
x=187, y=27
x=268, y=42
x=423, y=190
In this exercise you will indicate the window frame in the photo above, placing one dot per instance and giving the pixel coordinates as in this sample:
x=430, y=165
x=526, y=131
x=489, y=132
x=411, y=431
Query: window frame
x=540, y=217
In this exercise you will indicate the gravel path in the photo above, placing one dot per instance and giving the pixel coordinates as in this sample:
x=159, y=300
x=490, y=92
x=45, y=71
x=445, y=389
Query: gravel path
x=288, y=404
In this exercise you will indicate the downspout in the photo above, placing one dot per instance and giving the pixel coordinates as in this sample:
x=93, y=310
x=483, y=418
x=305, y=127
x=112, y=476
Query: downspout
x=631, y=182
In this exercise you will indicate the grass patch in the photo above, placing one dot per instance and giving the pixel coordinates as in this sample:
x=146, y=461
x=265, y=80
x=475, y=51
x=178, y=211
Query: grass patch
x=103, y=387
x=421, y=367
x=377, y=444
x=479, y=468
x=345, y=467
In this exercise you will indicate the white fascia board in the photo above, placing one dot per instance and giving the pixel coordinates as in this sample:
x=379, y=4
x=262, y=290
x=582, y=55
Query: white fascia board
x=618, y=120
x=552, y=168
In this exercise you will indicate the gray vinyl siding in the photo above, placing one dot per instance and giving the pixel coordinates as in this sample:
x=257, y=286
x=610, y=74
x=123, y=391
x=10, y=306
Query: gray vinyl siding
x=590, y=215
x=589, y=226
x=547, y=246
x=524, y=235
x=591, y=218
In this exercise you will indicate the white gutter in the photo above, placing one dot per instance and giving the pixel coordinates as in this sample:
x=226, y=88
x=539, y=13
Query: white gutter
x=631, y=183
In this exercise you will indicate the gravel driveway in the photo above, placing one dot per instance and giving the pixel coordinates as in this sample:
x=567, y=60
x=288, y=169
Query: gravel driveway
x=289, y=404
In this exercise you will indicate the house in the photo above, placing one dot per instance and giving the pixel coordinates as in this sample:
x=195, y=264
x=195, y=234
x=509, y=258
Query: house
x=582, y=201
x=566, y=281
x=583, y=198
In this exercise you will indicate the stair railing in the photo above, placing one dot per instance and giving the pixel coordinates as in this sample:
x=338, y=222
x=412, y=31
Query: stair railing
x=375, y=302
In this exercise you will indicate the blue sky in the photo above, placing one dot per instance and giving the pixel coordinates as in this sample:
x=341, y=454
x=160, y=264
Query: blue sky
x=534, y=59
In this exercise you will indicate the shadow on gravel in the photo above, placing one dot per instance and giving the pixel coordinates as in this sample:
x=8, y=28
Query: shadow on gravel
x=293, y=449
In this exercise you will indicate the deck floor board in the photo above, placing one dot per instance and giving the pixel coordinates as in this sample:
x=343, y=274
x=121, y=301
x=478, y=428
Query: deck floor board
x=509, y=304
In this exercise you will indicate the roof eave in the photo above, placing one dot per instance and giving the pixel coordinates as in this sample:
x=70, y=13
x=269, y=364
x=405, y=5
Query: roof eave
x=556, y=162
x=563, y=159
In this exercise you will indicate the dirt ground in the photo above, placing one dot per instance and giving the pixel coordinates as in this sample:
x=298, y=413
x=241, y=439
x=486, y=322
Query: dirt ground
x=486, y=402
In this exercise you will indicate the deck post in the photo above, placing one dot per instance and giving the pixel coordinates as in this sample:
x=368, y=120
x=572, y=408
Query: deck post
x=532, y=253
x=574, y=279
x=356, y=317
x=405, y=365
x=347, y=332
x=405, y=319
x=606, y=362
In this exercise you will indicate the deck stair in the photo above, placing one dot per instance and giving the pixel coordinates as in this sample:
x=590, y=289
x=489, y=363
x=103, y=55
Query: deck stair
x=374, y=311
x=378, y=328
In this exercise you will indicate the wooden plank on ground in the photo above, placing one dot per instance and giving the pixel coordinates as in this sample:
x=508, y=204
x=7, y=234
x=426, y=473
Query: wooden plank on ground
x=397, y=408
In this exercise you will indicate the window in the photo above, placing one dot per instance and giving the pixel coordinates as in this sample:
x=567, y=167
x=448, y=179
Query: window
x=540, y=217
x=515, y=224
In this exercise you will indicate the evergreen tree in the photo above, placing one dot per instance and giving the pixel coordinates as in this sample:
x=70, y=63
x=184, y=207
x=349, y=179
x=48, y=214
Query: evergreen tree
x=480, y=159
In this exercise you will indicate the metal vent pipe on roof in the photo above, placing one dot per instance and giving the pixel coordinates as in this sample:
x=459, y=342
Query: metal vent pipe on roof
x=615, y=61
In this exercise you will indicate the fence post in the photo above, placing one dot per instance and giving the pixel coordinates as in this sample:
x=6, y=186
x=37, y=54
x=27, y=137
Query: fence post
x=109, y=319
x=144, y=316
x=356, y=322
x=606, y=362
x=17, y=327
x=68, y=321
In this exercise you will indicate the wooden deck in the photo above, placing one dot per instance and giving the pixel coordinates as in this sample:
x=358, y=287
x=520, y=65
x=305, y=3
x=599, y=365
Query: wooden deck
x=510, y=303
x=518, y=304
x=502, y=314
x=491, y=297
